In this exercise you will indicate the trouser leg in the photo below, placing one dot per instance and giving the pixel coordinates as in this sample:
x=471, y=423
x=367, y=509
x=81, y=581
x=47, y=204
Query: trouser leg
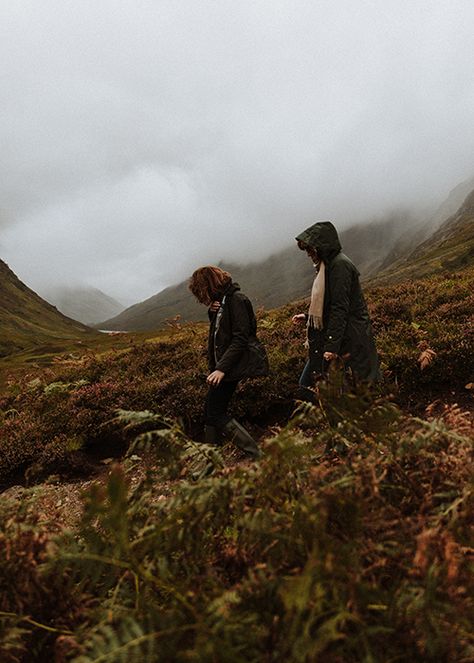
x=218, y=421
x=217, y=402
x=306, y=378
x=305, y=383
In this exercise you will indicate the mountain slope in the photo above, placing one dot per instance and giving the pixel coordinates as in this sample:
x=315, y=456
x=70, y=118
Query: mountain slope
x=283, y=277
x=88, y=305
x=451, y=247
x=177, y=300
x=381, y=249
x=26, y=320
x=418, y=233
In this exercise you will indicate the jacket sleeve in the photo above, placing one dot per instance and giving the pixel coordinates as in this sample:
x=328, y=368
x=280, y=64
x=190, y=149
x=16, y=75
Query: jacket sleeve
x=340, y=285
x=241, y=329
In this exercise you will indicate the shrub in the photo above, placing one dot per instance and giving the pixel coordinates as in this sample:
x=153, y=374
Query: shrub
x=79, y=401
x=305, y=556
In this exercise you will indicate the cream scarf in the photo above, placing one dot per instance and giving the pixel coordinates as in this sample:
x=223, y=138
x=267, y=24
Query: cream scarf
x=315, y=313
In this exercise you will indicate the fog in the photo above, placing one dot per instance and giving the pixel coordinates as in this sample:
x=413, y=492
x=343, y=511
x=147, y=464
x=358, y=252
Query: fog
x=141, y=139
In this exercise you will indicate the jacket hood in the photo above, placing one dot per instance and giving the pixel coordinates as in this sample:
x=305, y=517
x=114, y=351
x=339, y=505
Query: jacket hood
x=323, y=237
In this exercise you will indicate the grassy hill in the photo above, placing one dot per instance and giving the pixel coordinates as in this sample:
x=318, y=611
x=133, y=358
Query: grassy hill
x=74, y=401
x=350, y=541
x=28, y=321
x=451, y=247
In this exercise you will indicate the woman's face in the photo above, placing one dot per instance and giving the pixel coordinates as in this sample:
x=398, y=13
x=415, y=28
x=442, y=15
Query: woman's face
x=212, y=296
x=312, y=253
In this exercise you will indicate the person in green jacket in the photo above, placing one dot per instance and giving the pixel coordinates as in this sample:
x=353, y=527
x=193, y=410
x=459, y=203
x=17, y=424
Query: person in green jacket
x=338, y=323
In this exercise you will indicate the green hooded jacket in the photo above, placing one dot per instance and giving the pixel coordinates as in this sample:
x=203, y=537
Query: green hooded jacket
x=346, y=324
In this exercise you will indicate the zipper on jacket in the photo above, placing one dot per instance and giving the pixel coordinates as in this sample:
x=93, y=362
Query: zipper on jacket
x=217, y=325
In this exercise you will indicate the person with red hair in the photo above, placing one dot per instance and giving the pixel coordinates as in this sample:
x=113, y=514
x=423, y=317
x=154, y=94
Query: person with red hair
x=234, y=352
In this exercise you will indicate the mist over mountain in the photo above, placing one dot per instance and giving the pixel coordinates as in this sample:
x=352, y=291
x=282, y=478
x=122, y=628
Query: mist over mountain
x=142, y=141
x=85, y=304
x=422, y=230
x=287, y=275
x=27, y=320
x=382, y=246
x=450, y=248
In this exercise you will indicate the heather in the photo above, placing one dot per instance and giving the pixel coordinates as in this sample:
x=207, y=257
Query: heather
x=425, y=336
x=437, y=314
x=351, y=540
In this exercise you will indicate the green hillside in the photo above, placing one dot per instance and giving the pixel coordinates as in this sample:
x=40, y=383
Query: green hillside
x=28, y=321
x=451, y=247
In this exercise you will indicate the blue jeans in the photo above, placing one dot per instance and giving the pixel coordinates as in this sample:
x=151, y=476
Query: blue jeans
x=306, y=382
x=306, y=378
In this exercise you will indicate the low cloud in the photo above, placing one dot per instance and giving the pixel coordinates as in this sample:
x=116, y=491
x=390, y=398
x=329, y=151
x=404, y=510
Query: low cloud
x=141, y=139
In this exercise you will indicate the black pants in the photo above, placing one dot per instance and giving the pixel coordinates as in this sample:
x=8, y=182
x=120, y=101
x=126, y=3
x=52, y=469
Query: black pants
x=217, y=402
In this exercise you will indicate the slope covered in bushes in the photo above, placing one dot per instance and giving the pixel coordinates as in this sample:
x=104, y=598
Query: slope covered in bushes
x=350, y=541
x=358, y=554
x=435, y=313
x=425, y=336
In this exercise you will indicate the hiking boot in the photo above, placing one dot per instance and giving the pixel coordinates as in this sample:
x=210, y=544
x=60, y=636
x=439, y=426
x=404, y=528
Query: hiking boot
x=305, y=394
x=211, y=435
x=242, y=438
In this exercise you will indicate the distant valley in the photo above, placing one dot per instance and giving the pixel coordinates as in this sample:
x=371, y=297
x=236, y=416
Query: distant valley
x=27, y=320
x=384, y=250
x=85, y=304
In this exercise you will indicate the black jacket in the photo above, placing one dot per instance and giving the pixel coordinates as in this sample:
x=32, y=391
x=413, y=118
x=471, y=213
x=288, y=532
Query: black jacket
x=346, y=323
x=233, y=347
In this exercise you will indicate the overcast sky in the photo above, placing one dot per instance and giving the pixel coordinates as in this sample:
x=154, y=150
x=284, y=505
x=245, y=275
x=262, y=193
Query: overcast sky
x=141, y=139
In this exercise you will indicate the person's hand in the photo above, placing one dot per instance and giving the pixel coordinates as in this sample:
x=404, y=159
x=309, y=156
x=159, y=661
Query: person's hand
x=299, y=318
x=329, y=356
x=215, y=306
x=214, y=379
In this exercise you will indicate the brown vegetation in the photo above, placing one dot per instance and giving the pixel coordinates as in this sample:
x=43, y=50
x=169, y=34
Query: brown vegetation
x=350, y=541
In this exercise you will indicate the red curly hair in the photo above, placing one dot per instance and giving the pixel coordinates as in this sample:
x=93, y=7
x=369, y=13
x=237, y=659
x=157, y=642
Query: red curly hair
x=207, y=283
